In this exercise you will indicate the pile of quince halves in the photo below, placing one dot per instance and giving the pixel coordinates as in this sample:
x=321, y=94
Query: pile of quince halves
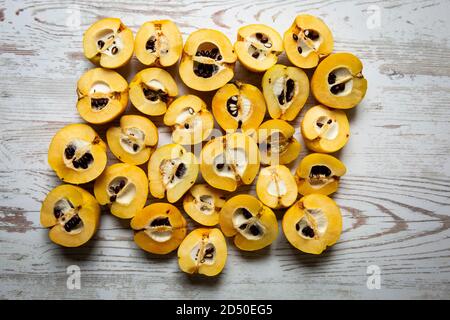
x=248, y=149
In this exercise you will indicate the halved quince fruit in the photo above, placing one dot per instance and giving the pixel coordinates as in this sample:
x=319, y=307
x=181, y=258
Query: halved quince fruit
x=158, y=43
x=102, y=95
x=124, y=187
x=72, y=213
x=239, y=106
x=108, y=42
x=134, y=140
x=252, y=224
x=160, y=228
x=307, y=41
x=276, y=187
x=258, y=47
x=190, y=120
x=313, y=223
x=171, y=171
x=77, y=154
x=286, y=90
x=208, y=60
x=203, y=251
x=338, y=81
x=319, y=173
x=152, y=90
x=203, y=203
x=229, y=161
x=325, y=130
x=277, y=143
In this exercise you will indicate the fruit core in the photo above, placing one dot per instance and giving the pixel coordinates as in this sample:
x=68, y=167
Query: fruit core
x=308, y=41
x=320, y=175
x=77, y=155
x=67, y=216
x=312, y=225
x=172, y=171
x=247, y=224
x=340, y=82
x=188, y=119
x=159, y=229
x=158, y=43
x=239, y=107
x=155, y=91
x=207, y=60
x=121, y=190
x=276, y=187
x=109, y=41
x=258, y=45
x=132, y=140
x=327, y=127
x=205, y=203
x=232, y=163
x=203, y=253
x=284, y=88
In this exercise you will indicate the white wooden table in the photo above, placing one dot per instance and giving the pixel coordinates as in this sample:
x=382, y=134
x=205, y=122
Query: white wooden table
x=394, y=199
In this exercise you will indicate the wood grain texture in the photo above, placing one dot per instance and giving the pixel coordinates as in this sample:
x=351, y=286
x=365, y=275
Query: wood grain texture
x=394, y=198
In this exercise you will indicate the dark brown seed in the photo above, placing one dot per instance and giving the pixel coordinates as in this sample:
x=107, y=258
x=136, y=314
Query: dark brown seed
x=319, y=124
x=308, y=232
x=320, y=170
x=281, y=97
x=239, y=124
x=135, y=147
x=112, y=198
x=160, y=222
x=299, y=49
x=69, y=152
x=181, y=170
x=246, y=213
x=255, y=54
x=72, y=223
x=254, y=230
x=114, y=50
x=297, y=227
x=331, y=78
x=186, y=125
x=57, y=212
x=264, y=40
x=294, y=36
x=243, y=226
x=220, y=166
x=329, y=121
x=259, y=35
x=311, y=34
x=219, y=57
x=100, y=44
x=121, y=184
x=290, y=88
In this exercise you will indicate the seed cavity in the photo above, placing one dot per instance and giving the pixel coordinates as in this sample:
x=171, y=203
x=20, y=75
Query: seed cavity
x=67, y=216
x=99, y=103
x=313, y=224
x=150, y=44
x=247, y=224
x=181, y=170
x=232, y=106
x=121, y=190
x=284, y=89
x=340, y=81
x=159, y=229
x=132, y=140
x=203, y=253
x=206, y=68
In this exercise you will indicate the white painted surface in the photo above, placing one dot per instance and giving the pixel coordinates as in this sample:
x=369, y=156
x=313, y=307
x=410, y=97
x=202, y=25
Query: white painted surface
x=394, y=199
